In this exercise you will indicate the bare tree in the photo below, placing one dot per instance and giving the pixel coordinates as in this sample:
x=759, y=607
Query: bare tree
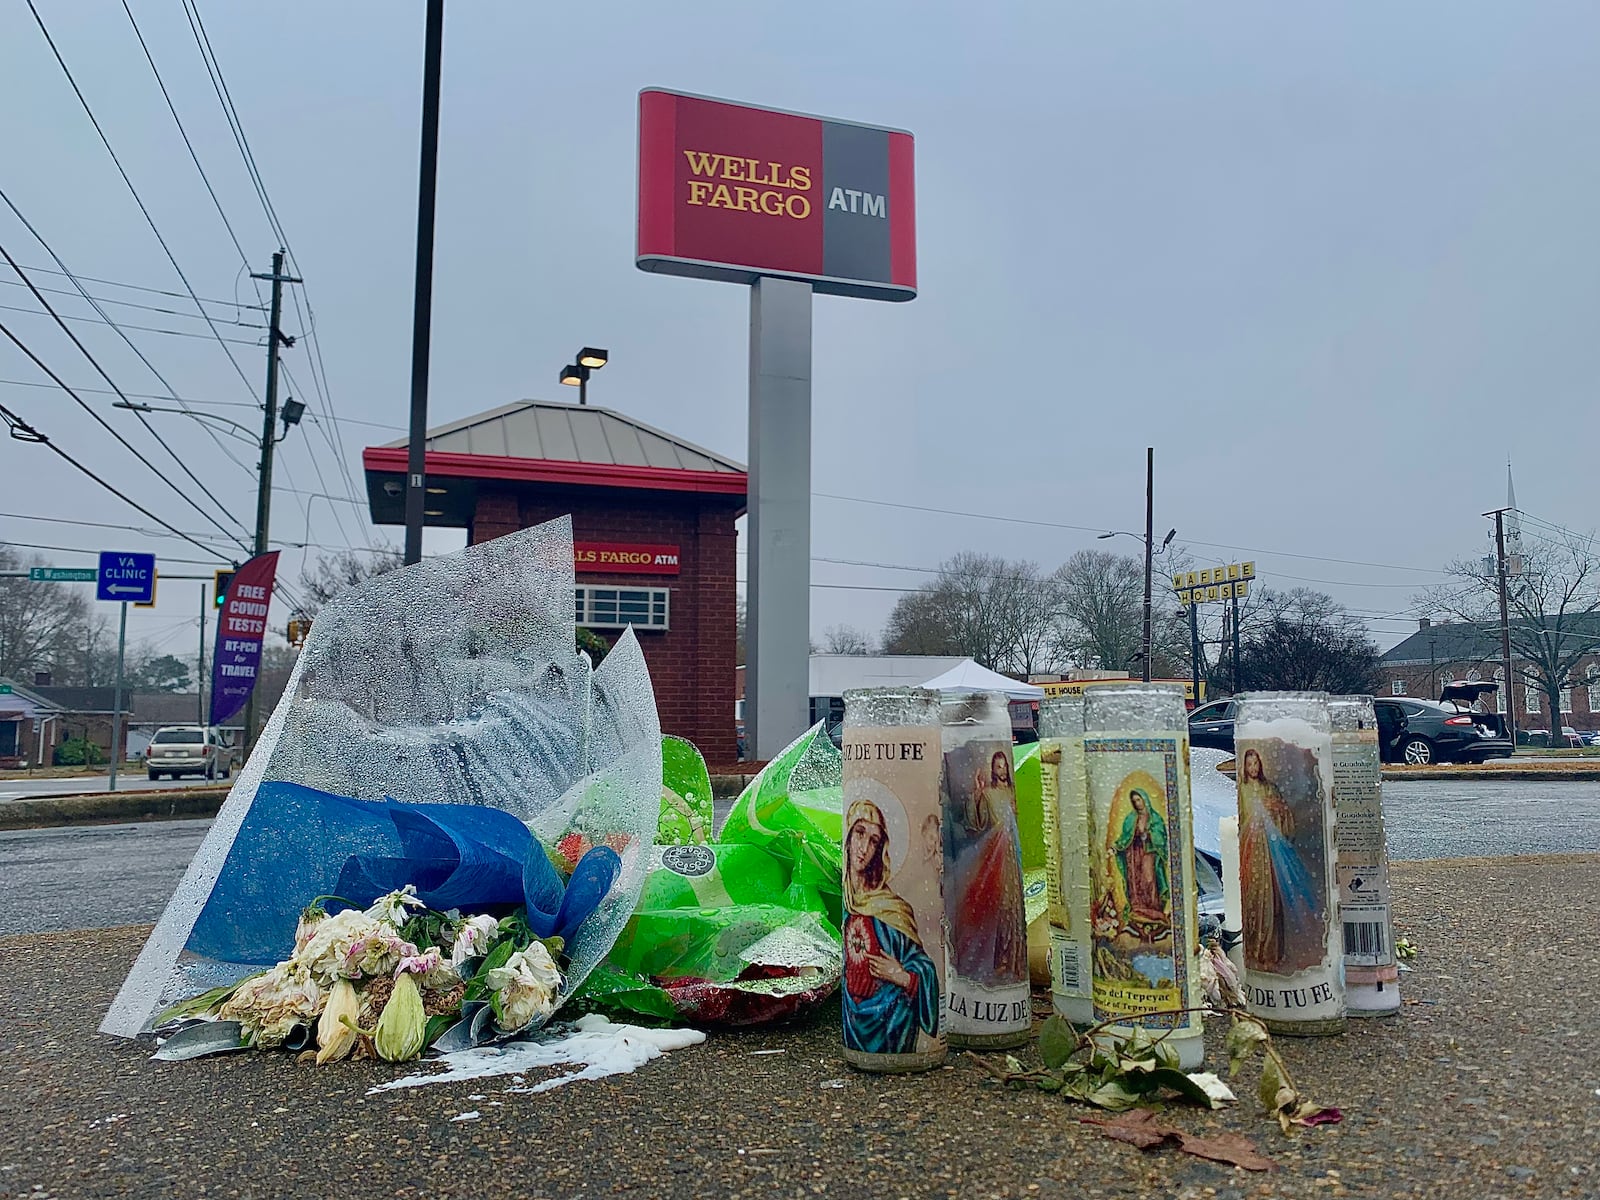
x=1102, y=603
x=1553, y=607
x=845, y=639
x=335, y=573
x=920, y=624
x=1304, y=640
x=48, y=627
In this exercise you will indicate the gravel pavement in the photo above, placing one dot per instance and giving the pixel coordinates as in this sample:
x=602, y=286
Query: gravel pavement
x=1486, y=1086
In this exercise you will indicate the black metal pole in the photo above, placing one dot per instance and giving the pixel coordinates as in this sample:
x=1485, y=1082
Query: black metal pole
x=1149, y=545
x=1505, y=630
x=1234, y=604
x=422, y=311
x=1194, y=649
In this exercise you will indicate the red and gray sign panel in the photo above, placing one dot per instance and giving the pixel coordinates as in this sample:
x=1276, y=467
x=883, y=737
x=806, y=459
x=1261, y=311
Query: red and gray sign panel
x=732, y=192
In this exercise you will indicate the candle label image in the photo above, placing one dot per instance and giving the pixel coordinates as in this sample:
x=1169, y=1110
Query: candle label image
x=1141, y=926
x=894, y=914
x=1363, y=866
x=1284, y=872
x=989, y=988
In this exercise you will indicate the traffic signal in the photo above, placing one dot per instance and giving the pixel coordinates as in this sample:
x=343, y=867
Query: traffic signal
x=219, y=587
x=298, y=628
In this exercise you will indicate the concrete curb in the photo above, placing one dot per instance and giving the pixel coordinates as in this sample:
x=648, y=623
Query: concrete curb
x=110, y=808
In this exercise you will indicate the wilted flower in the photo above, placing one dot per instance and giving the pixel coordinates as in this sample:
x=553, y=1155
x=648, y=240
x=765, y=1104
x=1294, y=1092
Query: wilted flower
x=325, y=953
x=526, y=987
x=403, y=1025
x=268, y=1006
x=473, y=938
x=379, y=953
x=395, y=907
x=336, y=1031
x=1219, y=978
x=431, y=970
x=310, y=917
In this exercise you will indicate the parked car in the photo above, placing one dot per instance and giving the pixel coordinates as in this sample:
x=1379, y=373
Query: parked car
x=1409, y=731
x=178, y=750
x=1211, y=726
x=1417, y=732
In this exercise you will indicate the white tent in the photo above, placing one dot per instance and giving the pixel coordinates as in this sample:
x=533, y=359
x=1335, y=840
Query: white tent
x=968, y=676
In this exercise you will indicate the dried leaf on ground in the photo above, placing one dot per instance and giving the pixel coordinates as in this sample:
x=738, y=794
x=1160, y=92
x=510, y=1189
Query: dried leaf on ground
x=1057, y=1043
x=1140, y=1128
x=1243, y=1038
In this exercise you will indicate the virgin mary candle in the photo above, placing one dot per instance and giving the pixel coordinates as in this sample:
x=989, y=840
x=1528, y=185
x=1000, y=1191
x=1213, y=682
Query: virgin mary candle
x=1293, y=952
x=1067, y=853
x=1141, y=860
x=989, y=996
x=894, y=945
x=1371, y=976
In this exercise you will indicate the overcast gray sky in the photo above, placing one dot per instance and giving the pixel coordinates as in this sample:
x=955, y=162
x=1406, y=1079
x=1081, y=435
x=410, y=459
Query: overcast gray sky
x=1336, y=265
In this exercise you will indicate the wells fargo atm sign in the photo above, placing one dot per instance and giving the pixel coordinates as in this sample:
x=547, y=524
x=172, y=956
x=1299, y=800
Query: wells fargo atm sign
x=731, y=192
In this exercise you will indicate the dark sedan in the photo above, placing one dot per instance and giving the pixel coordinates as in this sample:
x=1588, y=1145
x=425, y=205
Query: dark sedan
x=1409, y=731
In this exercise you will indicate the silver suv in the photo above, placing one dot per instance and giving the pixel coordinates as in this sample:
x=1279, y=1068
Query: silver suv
x=189, y=750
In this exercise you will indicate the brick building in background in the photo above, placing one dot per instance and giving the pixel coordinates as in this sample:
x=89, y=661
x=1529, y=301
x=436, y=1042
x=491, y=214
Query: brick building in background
x=652, y=525
x=1455, y=652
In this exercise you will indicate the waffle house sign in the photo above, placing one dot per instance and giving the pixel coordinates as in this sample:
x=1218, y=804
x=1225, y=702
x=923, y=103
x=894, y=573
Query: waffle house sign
x=1214, y=583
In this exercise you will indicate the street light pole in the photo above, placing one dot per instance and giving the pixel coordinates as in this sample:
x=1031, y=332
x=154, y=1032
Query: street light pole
x=422, y=302
x=1505, y=628
x=1149, y=546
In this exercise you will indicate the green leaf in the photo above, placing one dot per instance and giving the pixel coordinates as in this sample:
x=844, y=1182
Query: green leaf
x=1050, y=1083
x=1177, y=1081
x=1271, y=1084
x=437, y=1025
x=1166, y=1056
x=1244, y=1036
x=479, y=985
x=1114, y=1096
x=194, y=1006
x=1057, y=1042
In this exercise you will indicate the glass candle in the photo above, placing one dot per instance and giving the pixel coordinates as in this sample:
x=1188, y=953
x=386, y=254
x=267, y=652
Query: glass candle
x=1141, y=862
x=989, y=998
x=894, y=949
x=1371, y=976
x=1293, y=949
x=1066, y=816
x=1232, y=894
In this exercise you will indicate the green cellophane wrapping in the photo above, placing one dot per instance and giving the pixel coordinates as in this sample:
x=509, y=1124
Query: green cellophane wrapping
x=745, y=929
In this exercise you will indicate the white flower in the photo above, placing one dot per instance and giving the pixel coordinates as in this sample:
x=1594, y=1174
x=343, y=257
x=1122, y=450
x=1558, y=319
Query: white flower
x=379, y=953
x=473, y=938
x=310, y=918
x=527, y=986
x=430, y=969
x=325, y=954
x=393, y=907
x=270, y=1005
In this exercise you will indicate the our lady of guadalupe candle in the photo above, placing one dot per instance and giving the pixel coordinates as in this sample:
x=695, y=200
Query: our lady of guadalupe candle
x=894, y=943
x=989, y=994
x=1067, y=853
x=1293, y=944
x=1371, y=976
x=1141, y=862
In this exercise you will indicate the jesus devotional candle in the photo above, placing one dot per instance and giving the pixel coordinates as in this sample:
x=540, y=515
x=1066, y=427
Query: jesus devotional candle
x=989, y=993
x=1293, y=946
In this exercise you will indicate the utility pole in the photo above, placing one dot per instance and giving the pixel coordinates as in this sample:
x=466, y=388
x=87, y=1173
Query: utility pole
x=422, y=300
x=275, y=338
x=1232, y=633
x=200, y=670
x=1194, y=649
x=1505, y=629
x=1149, y=546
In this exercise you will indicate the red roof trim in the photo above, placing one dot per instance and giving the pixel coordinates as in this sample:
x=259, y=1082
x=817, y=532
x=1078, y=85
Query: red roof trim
x=392, y=459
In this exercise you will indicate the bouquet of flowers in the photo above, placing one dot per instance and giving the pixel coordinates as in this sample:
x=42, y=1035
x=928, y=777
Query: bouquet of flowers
x=388, y=980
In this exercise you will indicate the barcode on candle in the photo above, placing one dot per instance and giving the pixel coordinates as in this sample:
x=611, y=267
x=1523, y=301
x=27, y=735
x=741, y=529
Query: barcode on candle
x=1363, y=939
x=1067, y=968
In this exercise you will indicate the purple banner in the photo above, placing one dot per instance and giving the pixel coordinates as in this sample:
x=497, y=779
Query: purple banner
x=240, y=630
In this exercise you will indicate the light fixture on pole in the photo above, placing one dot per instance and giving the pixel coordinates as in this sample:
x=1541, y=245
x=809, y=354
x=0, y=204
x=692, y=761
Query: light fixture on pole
x=1149, y=555
x=576, y=374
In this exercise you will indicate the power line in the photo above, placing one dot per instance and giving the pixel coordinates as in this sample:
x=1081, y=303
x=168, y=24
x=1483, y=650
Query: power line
x=134, y=192
x=188, y=333
x=140, y=354
x=184, y=133
x=155, y=308
x=139, y=287
x=22, y=431
x=189, y=400
x=188, y=562
x=1099, y=529
x=84, y=404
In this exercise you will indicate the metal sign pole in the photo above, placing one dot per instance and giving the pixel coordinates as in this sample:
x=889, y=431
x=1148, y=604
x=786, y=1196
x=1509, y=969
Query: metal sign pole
x=116, y=702
x=779, y=580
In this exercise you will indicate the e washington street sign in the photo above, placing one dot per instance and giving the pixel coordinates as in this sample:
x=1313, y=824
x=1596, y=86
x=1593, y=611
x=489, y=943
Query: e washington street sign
x=63, y=574
x=126, y=577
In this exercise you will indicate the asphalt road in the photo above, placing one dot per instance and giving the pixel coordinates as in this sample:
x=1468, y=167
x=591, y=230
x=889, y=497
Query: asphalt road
x=98, y=876
x=134, y=780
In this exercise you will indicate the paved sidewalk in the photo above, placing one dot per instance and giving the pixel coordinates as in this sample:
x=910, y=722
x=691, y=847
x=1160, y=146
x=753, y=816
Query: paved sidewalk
x=1488, y=1085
